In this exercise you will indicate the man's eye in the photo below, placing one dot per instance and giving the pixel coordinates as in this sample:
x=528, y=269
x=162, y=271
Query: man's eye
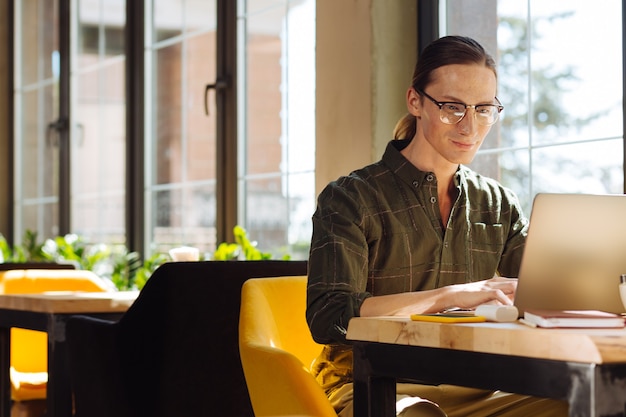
x=453, y=107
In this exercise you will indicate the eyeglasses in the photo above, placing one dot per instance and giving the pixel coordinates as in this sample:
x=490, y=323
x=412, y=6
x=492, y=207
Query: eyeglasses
x=451, y=112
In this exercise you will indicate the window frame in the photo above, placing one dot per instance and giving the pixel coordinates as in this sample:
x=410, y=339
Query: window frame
x=136, y=163
x=225, y=88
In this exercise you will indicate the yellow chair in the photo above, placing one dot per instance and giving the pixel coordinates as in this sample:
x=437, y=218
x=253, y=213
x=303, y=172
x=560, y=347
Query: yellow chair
x=276, y=349
x=29, y=348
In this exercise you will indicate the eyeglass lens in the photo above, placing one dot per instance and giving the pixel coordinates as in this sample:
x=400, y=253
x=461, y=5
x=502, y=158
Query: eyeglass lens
x=452, y=113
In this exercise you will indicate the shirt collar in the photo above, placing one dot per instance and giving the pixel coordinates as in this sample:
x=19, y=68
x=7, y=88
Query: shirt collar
x=404, y=169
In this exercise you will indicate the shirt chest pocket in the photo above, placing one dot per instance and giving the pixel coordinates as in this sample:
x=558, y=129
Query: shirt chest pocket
x=486, y=239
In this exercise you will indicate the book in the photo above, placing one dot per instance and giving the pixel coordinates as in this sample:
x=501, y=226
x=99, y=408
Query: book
x=573, y=318
x=450, y=317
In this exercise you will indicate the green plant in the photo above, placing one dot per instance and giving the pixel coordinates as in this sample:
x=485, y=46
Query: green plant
x=123, y=267
x=226, y=252
x=71, y=248
x=149, y=266
x=243, y=246
x=114, y=262
x=6, y=253
x=29, y=251
x=129, y=273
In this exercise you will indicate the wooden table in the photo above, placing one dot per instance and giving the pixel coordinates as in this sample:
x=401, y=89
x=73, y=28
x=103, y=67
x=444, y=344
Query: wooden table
x=48, y=312
x=585, y=367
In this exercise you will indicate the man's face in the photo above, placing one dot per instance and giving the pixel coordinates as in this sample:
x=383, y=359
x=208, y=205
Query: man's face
x=469, y=84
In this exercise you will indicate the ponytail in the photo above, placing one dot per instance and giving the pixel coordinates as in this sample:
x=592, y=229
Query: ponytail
x=406, y=127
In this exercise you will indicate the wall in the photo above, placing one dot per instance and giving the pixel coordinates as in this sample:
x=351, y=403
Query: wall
x=365, y=52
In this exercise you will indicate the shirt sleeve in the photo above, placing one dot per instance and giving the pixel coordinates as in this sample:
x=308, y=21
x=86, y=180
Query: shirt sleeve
x=338, y=265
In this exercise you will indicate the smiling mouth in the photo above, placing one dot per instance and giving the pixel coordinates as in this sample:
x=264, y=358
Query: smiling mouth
x=464, y=145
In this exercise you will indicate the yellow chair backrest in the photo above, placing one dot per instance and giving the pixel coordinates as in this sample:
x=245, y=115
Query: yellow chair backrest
x=29, y=349
x=277, y=349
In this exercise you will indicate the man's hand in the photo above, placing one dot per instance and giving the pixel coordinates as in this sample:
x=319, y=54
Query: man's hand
x=497, y=290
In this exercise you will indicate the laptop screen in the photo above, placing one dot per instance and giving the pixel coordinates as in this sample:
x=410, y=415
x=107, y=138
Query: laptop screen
x=575, y=253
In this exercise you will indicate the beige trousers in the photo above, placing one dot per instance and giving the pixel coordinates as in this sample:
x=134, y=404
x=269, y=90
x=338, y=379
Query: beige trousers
x=415, y=400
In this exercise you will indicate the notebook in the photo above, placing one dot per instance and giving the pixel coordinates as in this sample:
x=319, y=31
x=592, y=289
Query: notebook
x=575, y=253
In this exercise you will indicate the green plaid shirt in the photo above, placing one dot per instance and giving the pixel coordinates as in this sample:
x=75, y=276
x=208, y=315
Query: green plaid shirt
x=378, y=231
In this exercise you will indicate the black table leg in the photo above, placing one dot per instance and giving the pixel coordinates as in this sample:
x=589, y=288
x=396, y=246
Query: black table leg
x=609, y=391
x=373, y=396
x=59, y=397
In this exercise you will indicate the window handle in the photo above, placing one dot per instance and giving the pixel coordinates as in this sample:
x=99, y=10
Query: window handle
x=220, y=84
x=57, y=126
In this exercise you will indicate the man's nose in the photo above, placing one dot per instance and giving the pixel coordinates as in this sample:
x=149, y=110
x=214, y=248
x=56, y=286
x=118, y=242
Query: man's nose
x=468, y=124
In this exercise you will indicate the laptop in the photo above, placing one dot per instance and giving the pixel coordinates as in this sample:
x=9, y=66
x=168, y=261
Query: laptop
x=575, y=253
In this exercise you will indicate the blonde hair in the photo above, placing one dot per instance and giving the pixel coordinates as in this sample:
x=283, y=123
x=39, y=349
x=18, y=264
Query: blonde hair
x=406, y=127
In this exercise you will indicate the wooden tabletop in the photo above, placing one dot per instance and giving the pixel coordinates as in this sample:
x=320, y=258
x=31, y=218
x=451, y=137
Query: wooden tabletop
x=70, y=302
x=576, y=345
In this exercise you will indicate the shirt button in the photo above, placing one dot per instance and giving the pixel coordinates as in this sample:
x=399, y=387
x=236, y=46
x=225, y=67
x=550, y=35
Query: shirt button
x=445, y=244
x=433, y=200
x=415, y=184
x=430, y=177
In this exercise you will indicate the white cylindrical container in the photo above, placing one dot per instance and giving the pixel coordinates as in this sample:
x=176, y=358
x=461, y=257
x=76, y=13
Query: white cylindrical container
x=497, y=313
x=184, y=254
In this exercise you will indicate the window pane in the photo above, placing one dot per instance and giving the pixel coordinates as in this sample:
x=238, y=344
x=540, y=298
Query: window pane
x=168, y=125
x=40, y=151
x=279, y=125
x=200, y=128
x=513, y=65
x=42, y=218
x=280, y=223
x=300, y=202
x=167, y=19
x=576, y=96
x=36, y=178
x=267, y=223
x=184, y=216
x=180, y=135
x=37, y=28
x=263, y=97
x=99, y=122
x=594, y=167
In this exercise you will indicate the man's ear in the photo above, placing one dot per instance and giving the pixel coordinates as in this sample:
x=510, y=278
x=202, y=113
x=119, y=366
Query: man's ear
x=414, y=102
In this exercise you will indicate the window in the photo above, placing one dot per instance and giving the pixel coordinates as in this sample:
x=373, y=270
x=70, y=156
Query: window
x=98, y=121
x=73, y=112
x=560, y=80
x=278, y=107
x=180, y=137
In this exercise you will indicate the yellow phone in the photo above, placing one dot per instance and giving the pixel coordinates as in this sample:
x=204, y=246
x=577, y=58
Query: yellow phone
x=449, y=317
